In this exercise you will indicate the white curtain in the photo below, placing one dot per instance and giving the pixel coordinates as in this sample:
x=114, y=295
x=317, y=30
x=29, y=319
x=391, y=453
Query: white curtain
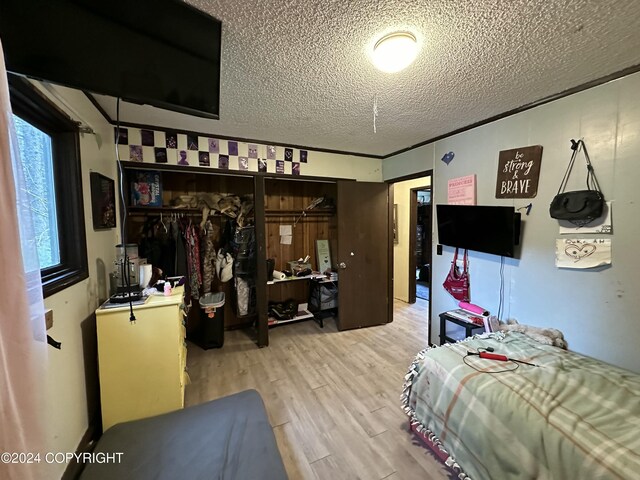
x=23, y=347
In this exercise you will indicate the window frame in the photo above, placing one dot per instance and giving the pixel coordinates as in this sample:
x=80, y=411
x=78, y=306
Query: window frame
x=33, y=107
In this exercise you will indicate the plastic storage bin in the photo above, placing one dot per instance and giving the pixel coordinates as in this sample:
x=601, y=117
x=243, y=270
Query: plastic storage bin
x=210, y=333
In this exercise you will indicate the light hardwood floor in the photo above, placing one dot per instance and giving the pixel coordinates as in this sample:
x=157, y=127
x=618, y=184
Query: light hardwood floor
x=333, y=398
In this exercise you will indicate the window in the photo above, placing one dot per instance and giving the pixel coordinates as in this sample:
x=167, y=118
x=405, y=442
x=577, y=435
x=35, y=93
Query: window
x=36, y=157
x=48, y=143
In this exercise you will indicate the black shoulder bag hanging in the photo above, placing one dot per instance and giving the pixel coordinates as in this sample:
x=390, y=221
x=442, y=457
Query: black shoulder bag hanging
x=582, y=206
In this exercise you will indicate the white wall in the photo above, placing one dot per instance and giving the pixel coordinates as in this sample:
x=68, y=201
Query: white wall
x=71, y=374
x=417, y=160
x=363, y=169
x=596, y=309
x=401, y=252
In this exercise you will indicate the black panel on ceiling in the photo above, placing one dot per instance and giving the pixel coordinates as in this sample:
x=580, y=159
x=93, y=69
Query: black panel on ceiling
x=159, y=52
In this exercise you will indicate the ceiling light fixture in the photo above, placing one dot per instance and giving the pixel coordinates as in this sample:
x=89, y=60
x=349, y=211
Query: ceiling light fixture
x=395, y=51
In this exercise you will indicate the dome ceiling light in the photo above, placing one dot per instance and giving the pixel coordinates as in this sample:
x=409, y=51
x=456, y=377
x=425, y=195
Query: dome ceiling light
x=395, y=51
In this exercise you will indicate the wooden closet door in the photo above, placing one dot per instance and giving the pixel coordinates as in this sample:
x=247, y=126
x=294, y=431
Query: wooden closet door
x=363, y=254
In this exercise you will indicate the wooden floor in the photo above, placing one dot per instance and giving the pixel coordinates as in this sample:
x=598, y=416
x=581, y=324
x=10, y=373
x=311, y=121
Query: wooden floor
x=333, y=398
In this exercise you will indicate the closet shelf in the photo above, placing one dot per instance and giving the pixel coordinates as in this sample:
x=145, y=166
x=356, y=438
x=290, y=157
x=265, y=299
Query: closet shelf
x=314, y=276
x=301, y=315
x=325, y=212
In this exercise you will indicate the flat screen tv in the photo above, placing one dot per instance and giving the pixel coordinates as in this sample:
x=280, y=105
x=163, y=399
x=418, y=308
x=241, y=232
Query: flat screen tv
x=489, y=229
x=159, y=52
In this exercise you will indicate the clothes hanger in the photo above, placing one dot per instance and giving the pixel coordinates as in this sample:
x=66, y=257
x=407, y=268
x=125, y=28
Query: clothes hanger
x=162, y=223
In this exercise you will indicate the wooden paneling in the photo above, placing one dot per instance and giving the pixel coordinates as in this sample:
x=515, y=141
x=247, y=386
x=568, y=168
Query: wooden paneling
x=293, y=197
x=176, y=184
x=282, y=291
x=305, y=234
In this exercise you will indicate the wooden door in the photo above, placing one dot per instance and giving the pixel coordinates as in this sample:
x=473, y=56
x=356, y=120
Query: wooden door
x=364, y=254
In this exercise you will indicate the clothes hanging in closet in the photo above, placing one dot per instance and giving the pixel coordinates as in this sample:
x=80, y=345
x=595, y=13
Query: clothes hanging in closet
x=191, y=237
x=158, y=245
x=209, y=239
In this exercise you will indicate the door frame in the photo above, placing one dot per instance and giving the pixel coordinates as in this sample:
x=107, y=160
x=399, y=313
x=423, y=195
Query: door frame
x=391, y=181
x=391, y=218
x=413, y=232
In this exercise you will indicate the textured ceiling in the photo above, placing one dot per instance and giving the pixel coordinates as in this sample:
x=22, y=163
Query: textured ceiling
x=297, y=71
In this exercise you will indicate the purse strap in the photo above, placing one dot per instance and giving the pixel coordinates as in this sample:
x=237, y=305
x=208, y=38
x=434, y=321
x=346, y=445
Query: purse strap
x=591, y=174
x=465, y=261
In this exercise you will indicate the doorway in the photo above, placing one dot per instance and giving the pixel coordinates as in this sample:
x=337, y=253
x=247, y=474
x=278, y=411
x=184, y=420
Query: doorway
x=405, y=263
x=404, y=258
x=420, y=233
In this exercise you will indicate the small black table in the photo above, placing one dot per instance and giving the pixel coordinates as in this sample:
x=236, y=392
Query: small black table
x=469, y=327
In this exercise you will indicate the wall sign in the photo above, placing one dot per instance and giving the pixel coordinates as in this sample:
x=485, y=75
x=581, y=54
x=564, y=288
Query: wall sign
x=583, y=252
x=518, y=172
x=462, y=190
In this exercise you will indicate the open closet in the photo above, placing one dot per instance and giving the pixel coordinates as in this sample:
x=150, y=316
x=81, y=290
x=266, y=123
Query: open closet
x=251, y=217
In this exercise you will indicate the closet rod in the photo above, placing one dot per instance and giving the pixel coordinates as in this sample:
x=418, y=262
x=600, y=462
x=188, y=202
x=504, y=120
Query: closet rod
x=158, y=210
x=168, y=214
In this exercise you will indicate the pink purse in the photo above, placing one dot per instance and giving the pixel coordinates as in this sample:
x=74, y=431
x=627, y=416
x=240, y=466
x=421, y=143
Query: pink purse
x=457, y=283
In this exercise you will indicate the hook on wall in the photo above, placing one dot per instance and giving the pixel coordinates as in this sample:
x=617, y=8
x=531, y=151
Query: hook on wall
x=53, y=343
x=528, y=207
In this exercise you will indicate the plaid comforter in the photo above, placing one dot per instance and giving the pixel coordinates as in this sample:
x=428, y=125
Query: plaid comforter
x=572, y=417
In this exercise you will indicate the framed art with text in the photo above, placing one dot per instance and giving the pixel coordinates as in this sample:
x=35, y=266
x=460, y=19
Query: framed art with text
x=519, y=172
x=103, y=201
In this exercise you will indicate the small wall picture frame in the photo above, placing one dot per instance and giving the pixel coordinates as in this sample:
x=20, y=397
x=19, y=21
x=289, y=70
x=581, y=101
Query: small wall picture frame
x=103, y=201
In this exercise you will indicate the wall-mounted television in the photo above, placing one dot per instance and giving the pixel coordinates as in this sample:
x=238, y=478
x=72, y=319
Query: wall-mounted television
x=163, y=53
x=489, y=229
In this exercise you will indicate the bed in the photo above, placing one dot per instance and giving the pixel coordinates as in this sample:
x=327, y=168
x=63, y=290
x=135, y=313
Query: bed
x=229, y=438
x=569, y=417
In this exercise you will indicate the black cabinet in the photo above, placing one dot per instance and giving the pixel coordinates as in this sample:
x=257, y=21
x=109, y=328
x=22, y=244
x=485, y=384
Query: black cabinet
x=469, y=328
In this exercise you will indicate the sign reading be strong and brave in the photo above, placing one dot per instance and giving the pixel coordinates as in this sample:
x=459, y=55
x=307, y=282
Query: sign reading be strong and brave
x=518, y=172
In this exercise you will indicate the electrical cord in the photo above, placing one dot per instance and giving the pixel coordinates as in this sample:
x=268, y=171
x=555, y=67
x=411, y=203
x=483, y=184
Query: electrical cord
x=501, y=299
x=123, y=220
x=121, y=174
